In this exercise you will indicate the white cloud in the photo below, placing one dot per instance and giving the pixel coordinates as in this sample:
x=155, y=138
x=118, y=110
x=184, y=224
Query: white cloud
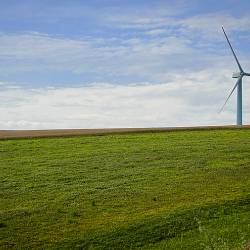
x=208, y=24
x=27, y=52
x=100, y=57
x=188, y=100
x=186, y=42
x=171, y=44
x=155, y=32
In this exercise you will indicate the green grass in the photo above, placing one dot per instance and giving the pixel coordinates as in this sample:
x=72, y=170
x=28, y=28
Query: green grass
x=169, y=190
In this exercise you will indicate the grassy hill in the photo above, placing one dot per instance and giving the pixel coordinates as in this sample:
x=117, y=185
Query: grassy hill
x=168, y=190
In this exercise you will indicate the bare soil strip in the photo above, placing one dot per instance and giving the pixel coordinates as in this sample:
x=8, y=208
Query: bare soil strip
x=14, y=134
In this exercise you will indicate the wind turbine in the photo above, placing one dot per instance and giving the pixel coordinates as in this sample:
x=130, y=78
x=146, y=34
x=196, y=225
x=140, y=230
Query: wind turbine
x=239, y=75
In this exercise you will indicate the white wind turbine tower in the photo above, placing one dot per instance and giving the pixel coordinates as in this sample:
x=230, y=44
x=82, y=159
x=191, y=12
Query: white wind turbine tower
x=239, y=75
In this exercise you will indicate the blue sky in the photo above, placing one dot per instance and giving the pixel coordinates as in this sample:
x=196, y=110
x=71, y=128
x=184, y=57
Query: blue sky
x=80, y=44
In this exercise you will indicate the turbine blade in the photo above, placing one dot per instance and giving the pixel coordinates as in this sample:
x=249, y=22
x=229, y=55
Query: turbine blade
x=236, y=59
x=239, y=79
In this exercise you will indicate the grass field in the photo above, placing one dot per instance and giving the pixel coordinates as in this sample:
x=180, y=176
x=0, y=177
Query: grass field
x=168, y=190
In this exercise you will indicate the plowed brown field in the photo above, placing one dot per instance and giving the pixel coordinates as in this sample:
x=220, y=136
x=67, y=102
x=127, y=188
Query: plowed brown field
x=11, y=134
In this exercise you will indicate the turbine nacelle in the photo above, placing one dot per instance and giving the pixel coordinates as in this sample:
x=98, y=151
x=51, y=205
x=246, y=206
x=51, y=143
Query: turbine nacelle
x=236, y=75
x=240, y=74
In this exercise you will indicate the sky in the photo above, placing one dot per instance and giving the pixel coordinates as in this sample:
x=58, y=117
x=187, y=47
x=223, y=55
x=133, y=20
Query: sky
x=114, y=63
